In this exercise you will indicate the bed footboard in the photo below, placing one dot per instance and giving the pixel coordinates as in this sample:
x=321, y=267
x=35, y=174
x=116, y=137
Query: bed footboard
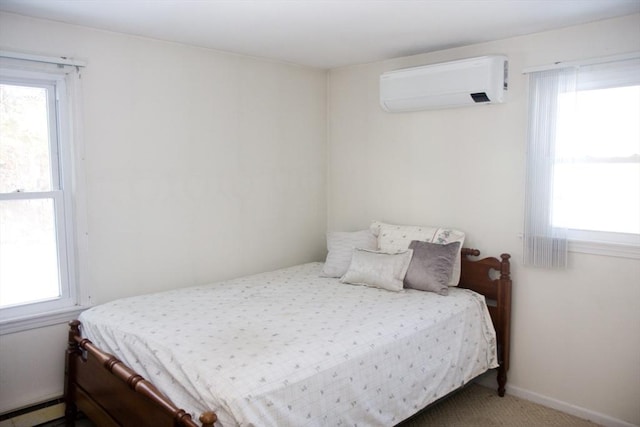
x=111, y=394
x=491, y=277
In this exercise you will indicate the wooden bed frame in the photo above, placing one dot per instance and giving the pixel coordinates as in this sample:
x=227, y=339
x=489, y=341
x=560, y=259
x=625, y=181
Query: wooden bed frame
x=112, y=394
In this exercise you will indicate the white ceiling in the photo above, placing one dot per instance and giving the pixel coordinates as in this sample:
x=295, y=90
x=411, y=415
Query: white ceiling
x=325, y=33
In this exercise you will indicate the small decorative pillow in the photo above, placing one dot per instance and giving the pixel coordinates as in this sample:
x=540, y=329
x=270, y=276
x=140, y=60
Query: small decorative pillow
x=431, y=266
x=394, y=238
x=378, y=269
x=340, y=245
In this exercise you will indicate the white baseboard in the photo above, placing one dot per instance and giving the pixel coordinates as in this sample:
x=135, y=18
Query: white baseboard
x=36, y=417
x=19, y=404
x=489, y=380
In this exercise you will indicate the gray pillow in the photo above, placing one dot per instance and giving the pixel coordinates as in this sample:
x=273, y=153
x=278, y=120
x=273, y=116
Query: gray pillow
x=340, y=246
x=431, y=266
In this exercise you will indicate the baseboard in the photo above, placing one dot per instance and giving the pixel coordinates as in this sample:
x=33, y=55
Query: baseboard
x=35, y=417
x=568, y=408
x=20, y=404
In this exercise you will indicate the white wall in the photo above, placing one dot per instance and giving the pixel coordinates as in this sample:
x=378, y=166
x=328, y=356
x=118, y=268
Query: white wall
x=576, y=339
x=200, y=165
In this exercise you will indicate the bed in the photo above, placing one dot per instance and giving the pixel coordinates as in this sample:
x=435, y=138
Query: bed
x=332, y=354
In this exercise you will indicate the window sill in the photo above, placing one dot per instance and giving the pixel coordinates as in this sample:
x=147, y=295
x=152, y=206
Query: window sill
x=604, y=248
x=40, y=320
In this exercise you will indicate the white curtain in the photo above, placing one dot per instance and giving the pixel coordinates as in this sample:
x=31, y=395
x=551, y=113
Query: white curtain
x=544, y=245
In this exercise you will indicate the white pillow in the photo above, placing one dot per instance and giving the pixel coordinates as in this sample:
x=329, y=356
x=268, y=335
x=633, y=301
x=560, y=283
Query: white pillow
x=378, y=269
x=395, y=238
x=340, y=245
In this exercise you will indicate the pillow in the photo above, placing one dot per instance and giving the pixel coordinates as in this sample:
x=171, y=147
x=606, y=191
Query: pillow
x=378, y=269
x=394, y=238
x=431, y=266
x=340, y=245
x=448, y=235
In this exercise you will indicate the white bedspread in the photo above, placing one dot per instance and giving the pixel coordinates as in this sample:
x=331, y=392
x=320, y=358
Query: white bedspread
x=290, y=348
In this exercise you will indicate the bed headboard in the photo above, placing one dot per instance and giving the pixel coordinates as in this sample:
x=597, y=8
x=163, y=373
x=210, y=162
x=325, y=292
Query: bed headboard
x=491, y=277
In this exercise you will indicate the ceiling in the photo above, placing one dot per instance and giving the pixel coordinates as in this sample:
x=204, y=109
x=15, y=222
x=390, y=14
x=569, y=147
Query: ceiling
x=325, y=33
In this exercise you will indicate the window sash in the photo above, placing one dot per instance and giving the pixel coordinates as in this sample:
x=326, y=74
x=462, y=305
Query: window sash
x=67, y=297
x=53, y=87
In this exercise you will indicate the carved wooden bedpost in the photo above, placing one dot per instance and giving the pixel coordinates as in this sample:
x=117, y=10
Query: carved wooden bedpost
x=73, y=351
x=504, y=300
x=208, y=419
x=476, y=276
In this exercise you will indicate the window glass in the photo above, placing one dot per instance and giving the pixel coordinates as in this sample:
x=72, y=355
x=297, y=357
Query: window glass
x=597, y=170
x=25, y=149
x=28, y=252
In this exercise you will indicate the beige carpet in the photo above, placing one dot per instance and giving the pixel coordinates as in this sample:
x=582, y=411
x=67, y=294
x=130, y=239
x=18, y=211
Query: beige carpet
x=482, y=407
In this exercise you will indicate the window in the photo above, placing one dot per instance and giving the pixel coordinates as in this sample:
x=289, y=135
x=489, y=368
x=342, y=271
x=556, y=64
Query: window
x=38, y=248
x=583, y=162
x=597, y=167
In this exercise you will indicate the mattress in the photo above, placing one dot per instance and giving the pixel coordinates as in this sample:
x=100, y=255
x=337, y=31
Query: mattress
x=291, y=348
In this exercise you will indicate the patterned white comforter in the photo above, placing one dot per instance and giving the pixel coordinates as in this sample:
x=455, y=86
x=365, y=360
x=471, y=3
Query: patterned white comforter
x=290, y=348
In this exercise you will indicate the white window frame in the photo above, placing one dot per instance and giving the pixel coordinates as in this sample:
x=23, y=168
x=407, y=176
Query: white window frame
x=623, y=245
x=61, y=78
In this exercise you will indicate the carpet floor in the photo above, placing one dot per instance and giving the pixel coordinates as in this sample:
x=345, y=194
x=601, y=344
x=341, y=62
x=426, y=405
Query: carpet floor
x=478, y=406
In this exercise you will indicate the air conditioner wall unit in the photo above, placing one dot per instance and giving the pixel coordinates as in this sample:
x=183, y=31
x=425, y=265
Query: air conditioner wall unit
x=473, y=81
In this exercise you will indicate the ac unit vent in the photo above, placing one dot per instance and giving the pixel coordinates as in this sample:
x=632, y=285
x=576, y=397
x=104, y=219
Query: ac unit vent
x=480, y=97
